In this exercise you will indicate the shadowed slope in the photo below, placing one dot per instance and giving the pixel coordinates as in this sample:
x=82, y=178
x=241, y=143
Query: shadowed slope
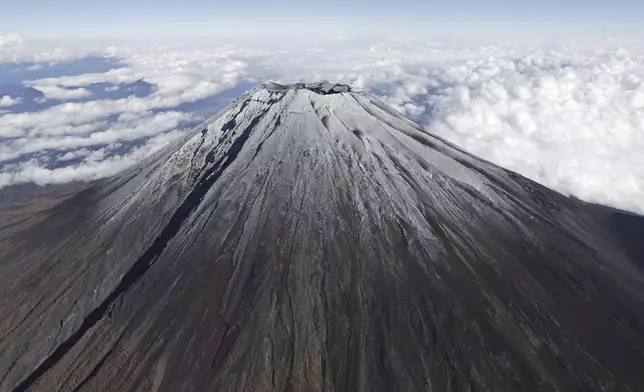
x=311, y=238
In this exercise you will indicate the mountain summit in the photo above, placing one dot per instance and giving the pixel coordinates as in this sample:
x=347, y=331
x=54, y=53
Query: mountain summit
x=311, y=238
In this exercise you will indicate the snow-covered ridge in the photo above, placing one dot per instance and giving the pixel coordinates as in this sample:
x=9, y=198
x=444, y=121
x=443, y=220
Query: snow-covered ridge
x=295, y=128
x=312, y=118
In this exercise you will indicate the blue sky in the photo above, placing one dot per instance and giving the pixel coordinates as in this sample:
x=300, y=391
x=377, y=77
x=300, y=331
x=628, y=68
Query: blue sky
x=461, y=18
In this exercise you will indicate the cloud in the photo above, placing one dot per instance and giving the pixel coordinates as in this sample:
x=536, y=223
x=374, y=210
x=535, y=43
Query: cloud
x=177, y=79
x=126, y=128
x=71, y=155
x=62, y=94
x=13, y=48
x=114, y=76
x=569, y=118
x=96, y=165
x=9, y=46
x=66, y=130
x=63, y=142
x=7, y=100
x=572, y=123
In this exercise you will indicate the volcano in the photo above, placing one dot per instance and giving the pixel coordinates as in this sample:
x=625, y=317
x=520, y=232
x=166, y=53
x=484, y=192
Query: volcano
x=311, y=238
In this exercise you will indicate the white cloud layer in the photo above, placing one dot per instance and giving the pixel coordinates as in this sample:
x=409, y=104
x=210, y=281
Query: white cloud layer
x=8, y=100
x=14, y=49
x=572, y=120
x=575, y=124
x=59, y=93
x=96, y=165
x=9, y=45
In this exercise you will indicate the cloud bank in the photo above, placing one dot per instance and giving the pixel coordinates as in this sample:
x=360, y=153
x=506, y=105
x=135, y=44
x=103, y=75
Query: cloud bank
x=571, y=119
x=8, y=100
x=573, y=123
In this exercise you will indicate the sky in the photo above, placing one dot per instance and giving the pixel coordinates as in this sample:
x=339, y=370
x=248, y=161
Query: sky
x=493, y=19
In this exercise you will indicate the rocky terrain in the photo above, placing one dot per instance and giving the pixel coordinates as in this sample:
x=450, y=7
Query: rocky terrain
x=311, y=238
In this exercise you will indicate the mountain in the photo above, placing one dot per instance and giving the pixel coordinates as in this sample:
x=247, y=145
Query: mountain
x=311, y=238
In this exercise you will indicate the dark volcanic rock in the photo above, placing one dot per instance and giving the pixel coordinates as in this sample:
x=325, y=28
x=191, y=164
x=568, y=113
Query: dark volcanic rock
x=312, y=238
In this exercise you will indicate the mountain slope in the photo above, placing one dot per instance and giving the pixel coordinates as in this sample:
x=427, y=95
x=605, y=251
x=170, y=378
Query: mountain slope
x=311, y=238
